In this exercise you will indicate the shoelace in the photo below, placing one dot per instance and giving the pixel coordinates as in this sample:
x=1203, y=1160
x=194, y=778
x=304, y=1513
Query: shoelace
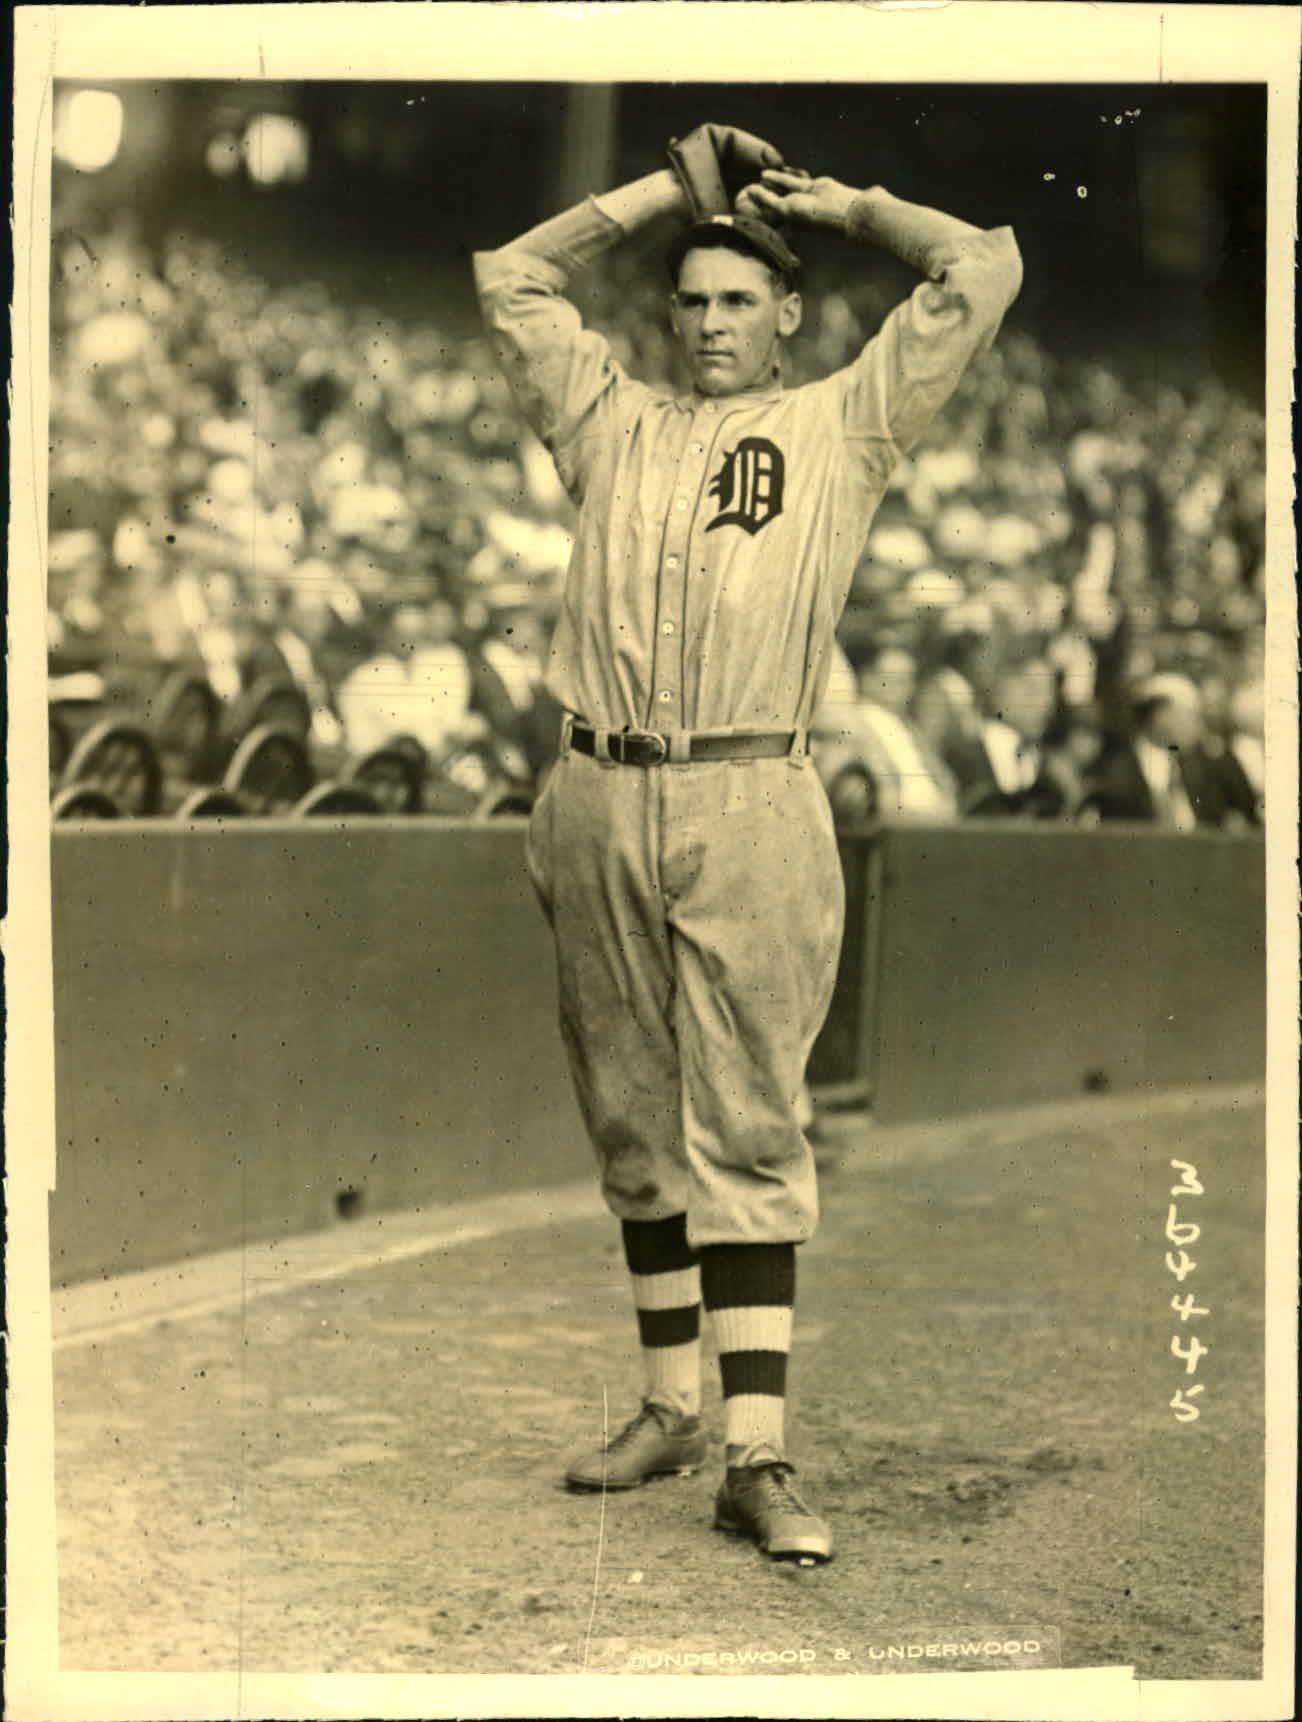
x=778, y=1476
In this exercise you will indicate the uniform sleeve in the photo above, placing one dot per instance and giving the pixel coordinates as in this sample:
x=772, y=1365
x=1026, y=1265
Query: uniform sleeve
x=909, y=369
x=563, y=376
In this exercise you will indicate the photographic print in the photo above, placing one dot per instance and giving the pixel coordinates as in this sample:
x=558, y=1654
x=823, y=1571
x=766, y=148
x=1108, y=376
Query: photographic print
x=651, y=953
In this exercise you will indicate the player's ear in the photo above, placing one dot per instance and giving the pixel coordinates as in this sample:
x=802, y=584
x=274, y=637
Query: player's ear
x=673, y=312
x=790, y=312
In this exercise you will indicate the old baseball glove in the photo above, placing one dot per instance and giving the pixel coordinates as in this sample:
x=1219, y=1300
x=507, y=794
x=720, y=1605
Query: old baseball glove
x=714, y=162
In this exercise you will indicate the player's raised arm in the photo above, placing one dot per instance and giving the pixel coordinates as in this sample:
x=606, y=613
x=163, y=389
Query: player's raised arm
x=560, y=373
x=707, y=169
x=973, y=275
x=932, y=241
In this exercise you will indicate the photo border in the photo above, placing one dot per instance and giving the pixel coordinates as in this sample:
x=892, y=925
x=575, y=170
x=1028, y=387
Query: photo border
x=1016, y=42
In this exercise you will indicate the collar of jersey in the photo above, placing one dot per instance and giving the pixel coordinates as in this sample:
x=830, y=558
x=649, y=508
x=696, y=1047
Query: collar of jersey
x=694, y=400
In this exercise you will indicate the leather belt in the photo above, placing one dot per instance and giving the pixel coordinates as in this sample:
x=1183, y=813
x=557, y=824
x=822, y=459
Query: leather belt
x=649, y=747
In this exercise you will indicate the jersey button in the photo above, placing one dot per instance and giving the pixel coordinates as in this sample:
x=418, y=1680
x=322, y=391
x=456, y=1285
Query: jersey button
x=665, y=696
x=681, y=504
x=666, y=627
x=671, y=562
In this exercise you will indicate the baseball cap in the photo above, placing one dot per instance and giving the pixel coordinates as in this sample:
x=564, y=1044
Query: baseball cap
x=744, y=233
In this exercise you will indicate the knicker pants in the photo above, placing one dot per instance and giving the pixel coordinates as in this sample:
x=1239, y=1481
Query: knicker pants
x=697, y=911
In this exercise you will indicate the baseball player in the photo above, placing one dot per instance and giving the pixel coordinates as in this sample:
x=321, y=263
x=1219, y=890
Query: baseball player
x=683, y=848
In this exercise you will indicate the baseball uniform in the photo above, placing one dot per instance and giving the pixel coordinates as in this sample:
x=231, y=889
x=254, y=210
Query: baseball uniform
x=697, y=905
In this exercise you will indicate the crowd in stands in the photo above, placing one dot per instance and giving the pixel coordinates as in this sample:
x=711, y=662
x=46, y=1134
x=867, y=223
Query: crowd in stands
x=303, y=555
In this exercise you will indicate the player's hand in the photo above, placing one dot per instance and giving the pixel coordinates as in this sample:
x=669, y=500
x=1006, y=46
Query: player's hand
x=786, y=194
x=713, y=162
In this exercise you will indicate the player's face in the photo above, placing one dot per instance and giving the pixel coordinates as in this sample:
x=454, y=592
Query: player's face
x=730, y=317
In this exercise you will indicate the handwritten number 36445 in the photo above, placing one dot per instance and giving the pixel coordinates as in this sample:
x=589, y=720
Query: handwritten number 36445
x=1179, y=1263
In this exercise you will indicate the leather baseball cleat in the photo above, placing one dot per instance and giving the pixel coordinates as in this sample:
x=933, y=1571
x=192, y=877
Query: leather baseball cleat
x=659, y=1441
x=759, y=1499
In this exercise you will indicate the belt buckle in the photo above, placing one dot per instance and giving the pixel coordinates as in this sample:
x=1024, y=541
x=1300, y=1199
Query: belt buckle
x=643, y=747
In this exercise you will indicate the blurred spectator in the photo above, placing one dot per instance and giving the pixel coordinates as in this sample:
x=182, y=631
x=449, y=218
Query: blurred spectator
x=74, y=615
x=889, y=680
x=945, y=710
x=303, y=619
x=1072, y=745
x=508, y=671
x=834, y=747
x=229, y=630
x=417, y=684
x=1245, y=756
x=1006, y=768
x=218, y=634
x=874, y=759
x=1161, y=772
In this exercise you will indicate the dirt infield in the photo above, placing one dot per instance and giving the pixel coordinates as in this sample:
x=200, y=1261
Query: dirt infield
x=361, y=1474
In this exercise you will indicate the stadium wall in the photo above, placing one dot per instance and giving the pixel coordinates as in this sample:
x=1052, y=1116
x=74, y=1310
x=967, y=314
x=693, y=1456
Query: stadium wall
x=264, y=1026
x=1016, y=966
x=253, y=1021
